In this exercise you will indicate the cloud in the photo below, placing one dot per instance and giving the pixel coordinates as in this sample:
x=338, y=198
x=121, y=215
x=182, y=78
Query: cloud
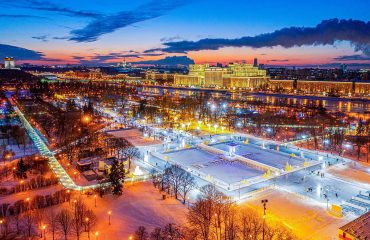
x=17, y=16
x=20, y=53
x=43, y=38
x=170, y=39
x=50, y=7
x=169, y=61
x=328, y=32
x=109, y=23
x=278, y=60
x=98, y=59
x=355, y=57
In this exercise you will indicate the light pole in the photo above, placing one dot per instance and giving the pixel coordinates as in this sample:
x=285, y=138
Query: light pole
x=28, y=203
x=96, y=235
x=44, y=230
x=1, y=226
x=216, y=226
x=109, y=213
x=88, y=227
x=264, y=201
x=95, y=199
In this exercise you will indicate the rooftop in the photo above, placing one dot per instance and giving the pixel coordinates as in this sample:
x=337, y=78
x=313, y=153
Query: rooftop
x=359, y=228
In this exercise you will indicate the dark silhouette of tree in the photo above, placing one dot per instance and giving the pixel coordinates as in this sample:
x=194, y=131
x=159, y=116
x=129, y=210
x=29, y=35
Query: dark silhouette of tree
x=141, y=234
x=117, y=176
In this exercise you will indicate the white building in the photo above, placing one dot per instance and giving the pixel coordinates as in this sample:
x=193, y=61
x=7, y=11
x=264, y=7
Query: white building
x=9, y=63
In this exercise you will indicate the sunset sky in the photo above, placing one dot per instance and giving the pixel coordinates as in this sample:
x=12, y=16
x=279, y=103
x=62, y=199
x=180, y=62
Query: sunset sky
x=97, y=31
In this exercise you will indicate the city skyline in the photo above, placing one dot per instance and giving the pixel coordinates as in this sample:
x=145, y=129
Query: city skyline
x=289, y=33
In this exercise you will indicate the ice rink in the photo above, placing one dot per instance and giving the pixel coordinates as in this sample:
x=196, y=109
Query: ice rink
x=212, y=165
x=269, y=157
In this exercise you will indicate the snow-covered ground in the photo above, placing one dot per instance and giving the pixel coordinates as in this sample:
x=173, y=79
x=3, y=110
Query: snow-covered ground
x=307, y=218
x=140, y=205
x=134, y=136
x=356, y=172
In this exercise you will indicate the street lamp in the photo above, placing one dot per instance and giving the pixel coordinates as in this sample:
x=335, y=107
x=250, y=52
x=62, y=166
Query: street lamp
x=44, y=230
x=28, y=203
x=215, y=126
x=95, y=199
x=88, y=227
x=96, y=235
x=109, y=213
x=264, y=201
x=1, y=226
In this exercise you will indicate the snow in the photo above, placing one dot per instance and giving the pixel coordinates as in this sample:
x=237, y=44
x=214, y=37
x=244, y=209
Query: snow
x=134, y=136
x=140, y=205
x=356, y=173
x=213, y=165
x=306, y=218
x=274, y=159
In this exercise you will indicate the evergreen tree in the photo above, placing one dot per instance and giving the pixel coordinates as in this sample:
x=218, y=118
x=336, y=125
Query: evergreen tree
x=21, y=169
x=116, y=176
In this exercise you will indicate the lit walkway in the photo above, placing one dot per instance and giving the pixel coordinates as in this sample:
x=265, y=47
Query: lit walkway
x=57, y=168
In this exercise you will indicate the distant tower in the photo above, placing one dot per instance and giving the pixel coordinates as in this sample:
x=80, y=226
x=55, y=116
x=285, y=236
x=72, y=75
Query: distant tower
x=255, y=62
x=9, y=63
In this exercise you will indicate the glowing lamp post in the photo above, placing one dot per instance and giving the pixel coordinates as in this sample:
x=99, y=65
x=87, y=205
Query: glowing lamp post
x=215, y=126
x=44, y=230
x=88, y=227
x=1, y=226
x=95, y=199
x=264, y=201
x=96, y=235
x=86, y=119
x=109, y=214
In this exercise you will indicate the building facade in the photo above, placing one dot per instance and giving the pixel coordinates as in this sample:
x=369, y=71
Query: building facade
x=340, y=88
x=235, y=75
x=9, y=63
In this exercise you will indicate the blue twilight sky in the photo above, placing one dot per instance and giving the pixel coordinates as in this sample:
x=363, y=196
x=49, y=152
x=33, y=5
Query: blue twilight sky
x=101, y=31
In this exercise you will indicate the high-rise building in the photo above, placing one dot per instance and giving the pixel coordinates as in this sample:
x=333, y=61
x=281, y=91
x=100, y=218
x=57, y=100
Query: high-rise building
x=9, y=63
x=255, y=62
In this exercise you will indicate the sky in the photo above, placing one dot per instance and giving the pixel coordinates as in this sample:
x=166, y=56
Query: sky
x=289, y=32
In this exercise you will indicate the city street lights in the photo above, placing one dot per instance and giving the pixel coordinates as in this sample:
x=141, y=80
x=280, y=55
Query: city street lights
x=88, y=227
x=264, y=201
x=28, y=203
x=96, y=235
x=44, y=230
x=109, y=213
x=1, y=226
x=95, y=199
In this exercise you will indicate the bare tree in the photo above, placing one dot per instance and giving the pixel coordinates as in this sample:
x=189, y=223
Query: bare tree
x=51, y=218
x=172, y=232
x=141, y=234
x=29, y=222
x=187, y=183
x=78, y=220
x=64, y=220
x=156, y=234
